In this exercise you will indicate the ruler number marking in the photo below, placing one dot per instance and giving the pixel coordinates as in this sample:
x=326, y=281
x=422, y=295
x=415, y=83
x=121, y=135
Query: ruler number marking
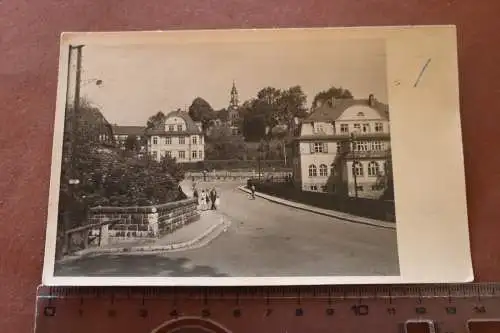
x=451, y=310
x=391, y=311
x=299, y=312
x=421, y=310
x=479, y=309
x=330, y=312
x=237, y=313
x=360, y=310
x=49, y=311
x=143, y=313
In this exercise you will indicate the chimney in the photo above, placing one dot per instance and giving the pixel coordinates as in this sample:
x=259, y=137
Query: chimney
x=371, y=100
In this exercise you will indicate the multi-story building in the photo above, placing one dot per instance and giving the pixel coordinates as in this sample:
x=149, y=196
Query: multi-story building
x=121, y=133
x=180, y=138
x=343, y=147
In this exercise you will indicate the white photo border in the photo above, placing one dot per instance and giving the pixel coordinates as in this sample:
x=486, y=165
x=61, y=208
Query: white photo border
x=426, y=142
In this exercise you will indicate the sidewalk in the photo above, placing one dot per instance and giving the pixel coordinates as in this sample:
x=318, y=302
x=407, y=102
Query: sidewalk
x=322, y=211
x=193, y=235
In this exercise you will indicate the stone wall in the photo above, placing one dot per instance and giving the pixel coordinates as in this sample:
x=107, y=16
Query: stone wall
x=145, y=223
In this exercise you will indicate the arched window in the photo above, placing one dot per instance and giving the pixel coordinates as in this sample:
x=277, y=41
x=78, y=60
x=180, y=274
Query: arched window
x=373, y=169
x=313, y=172
x=323, y=170
x=357, y=169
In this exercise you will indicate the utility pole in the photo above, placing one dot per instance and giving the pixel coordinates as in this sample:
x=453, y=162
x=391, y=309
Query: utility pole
x=354, y=164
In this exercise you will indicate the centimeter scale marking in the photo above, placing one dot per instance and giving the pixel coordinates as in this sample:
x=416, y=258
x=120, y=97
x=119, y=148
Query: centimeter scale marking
x=453, y=308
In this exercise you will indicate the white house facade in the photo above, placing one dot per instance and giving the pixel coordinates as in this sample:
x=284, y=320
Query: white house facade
x=180, y=138
x=343, y=147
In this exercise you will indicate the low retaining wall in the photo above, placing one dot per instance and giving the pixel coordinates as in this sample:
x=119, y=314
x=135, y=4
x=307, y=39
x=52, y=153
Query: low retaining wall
x=142, y=223
x=371, y=208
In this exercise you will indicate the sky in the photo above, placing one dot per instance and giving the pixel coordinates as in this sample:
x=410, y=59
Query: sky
x=138, y=81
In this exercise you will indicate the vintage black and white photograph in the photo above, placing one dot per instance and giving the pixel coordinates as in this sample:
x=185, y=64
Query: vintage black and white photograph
x=226, y=159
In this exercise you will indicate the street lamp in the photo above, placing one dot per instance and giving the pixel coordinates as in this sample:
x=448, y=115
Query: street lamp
x=352, y=141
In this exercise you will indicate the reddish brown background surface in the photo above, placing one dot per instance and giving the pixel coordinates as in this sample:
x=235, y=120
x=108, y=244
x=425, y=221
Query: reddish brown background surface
x=29, y=32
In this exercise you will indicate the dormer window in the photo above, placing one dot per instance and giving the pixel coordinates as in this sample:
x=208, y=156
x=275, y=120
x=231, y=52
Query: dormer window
x=179, y=128
x=360, y=114
x=171, y=128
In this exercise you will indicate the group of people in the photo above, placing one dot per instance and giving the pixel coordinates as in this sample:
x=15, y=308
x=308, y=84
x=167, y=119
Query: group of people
x=207, y=199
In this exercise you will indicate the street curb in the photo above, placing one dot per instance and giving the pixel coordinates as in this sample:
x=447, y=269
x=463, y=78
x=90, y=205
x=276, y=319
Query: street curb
x=374, y=223
x=174, y=247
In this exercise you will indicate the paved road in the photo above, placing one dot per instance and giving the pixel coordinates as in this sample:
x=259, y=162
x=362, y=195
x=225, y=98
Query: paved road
x=264, y=239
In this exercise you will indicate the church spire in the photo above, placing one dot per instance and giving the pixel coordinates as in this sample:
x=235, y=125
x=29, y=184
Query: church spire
x=234, y=101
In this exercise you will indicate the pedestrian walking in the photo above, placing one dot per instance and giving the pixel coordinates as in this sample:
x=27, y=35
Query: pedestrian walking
x=195, y=194
x=253, y=191
x=207, y=199
x=203, y=200
x=213, y=197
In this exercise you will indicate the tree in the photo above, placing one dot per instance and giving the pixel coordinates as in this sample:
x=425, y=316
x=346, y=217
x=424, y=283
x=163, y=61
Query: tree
x=201, y=110
x=157, y=121
x=327, y=95
x=222, y=145
x=132, y=144
x=106, y=176
x=291, y=104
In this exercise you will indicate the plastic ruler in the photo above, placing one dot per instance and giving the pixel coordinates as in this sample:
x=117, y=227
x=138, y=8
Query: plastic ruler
x=454, y=308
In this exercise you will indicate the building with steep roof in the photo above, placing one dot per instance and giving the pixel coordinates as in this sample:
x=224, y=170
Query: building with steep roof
x=343, y=147
x=121, y=133
x=180, y=137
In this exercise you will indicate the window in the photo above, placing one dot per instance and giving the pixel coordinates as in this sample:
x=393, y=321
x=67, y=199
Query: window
x=339, y=147
x=155, y=140
x=314, y=188
x=373, y=169
x=366, y=128
x=319, y=147
x=359, y=188
x=194, y=154
x=182, y=140
x=323, y=170
x=361, y=146
x=182, y=154
x=333, y=170
x=313, y=172
x=168, y=140
x=154, y=154
x=179, y=128
x=171, y=128
x=194, y=140
x=360, y=114
x=318, y=127
x=324, y=188
x=168, y=153
x=200, y=154
x=376, y=145
x=379, y=127
x=357, y=127
x=344, y=128
x=357, y=169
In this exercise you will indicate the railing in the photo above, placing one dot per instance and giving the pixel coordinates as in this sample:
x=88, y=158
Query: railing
x=80, y=238
x=235, y=175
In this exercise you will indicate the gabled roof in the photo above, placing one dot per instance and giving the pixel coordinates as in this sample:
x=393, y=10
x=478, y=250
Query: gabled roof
x=191, y=127
x=331, y=112
x=128, y=130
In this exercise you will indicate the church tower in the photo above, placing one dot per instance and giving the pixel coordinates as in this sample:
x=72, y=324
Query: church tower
x=233, y=110
x=234, y=101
